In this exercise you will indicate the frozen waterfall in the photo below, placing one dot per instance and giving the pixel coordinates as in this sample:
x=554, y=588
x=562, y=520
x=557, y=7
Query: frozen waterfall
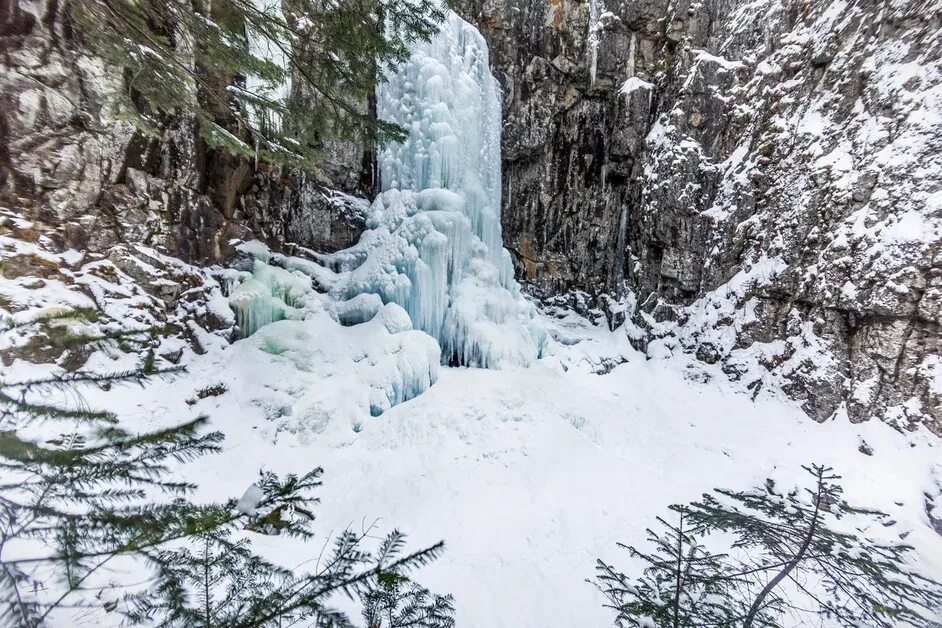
x=431, y=259
x=434, y=243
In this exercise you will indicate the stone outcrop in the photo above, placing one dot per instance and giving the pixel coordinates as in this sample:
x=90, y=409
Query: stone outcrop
x=92, y=181
x=764, y=178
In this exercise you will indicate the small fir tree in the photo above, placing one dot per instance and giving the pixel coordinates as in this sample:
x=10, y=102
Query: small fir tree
x=683, y=585
x=790, y=553
x=215, y=579
x=397, y=602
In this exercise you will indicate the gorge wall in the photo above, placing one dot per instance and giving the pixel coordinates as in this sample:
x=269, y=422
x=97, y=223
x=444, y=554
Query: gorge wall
x=764, y=178
x=93, y=181
x=757, y=182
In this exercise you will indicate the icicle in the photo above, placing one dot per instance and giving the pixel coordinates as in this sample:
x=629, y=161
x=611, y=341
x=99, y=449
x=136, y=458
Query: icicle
x=271, y=294
x=593, y=37
x=255, y=307
x=262, y=47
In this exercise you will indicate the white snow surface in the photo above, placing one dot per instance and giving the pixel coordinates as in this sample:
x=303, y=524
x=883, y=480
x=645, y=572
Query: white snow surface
x=528, y=474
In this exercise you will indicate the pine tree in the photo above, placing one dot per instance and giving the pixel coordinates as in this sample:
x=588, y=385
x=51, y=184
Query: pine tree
x=267, y=79
x=91, y=496
x=81, y=495
x=789, y=554
x=215, y=579
x=683, y=584
x=397, y=602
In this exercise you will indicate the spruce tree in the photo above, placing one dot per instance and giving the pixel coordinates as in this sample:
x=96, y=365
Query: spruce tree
x=75, y=486
x=683, y=584
x=79, y=493
x=229, y=63
x=215, y=579
x=790, y=553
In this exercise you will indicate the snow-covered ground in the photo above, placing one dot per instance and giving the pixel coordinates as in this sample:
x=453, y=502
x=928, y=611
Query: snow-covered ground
x=530, y=474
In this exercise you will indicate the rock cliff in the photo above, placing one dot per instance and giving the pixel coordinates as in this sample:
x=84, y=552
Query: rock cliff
x=755, y=182
x=93, y=181
x=763, y=178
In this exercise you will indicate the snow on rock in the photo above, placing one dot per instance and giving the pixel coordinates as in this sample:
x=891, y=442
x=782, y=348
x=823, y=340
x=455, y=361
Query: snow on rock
x=814, y=143
x=633, y=84
x=803, y=131
x=250, y=500
x=130, y=292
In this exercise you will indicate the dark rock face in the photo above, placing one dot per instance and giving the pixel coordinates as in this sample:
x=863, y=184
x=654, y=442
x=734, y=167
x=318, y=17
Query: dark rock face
x=67, y=162
x=763, y=177
x=570, y=144
x=55, y=155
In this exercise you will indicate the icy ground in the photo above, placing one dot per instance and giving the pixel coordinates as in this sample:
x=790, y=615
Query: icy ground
x=530, y=474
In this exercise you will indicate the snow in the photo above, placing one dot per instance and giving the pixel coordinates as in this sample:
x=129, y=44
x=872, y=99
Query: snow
x=528, y=474
x=727, y=64
x=633, y=84
x=250, y=500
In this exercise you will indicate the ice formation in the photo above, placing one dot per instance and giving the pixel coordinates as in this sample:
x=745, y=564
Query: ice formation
x=263, y=47
x=433, y=243
x=431, y=259
x=271, y=294
x=368, y=349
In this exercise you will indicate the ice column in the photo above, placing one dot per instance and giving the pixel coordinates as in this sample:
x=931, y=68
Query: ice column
x=449, y=101
x=433, y=243
x=264, y=48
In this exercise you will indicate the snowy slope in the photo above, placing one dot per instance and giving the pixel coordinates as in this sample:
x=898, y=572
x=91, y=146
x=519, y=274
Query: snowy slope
x=530, y=474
